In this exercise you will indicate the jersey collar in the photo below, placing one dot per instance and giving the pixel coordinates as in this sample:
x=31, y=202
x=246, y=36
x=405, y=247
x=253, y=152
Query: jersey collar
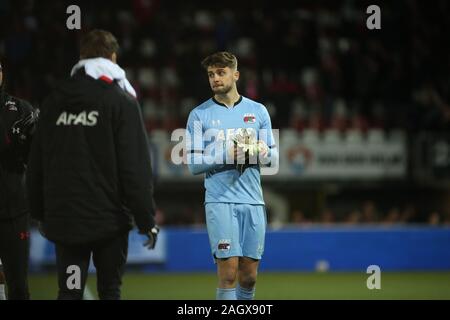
x=223, y=105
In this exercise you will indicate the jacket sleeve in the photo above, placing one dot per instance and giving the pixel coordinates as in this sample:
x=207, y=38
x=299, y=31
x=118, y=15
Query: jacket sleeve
x=134, y=165
x=199, y=161
x=34, y=176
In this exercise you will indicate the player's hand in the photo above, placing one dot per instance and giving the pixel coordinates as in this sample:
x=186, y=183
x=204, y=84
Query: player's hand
x=152, y=238
x=235, y=154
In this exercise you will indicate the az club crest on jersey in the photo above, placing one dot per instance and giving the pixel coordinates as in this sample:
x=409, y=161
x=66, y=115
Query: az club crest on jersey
x=249, y=118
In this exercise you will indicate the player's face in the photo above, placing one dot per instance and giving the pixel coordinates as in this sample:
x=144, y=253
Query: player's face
x=222, y=80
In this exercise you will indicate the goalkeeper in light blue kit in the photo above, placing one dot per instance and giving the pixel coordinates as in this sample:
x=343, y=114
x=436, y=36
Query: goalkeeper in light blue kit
x=229, y=138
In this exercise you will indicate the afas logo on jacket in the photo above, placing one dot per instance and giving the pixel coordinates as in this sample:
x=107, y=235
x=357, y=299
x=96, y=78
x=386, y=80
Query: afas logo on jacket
x=73, y=119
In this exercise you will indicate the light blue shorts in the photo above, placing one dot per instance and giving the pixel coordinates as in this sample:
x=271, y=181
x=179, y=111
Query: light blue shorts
x=236, y=230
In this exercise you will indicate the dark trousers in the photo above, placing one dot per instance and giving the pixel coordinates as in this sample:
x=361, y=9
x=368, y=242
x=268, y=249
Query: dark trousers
x=14, y=253
x=109, y=257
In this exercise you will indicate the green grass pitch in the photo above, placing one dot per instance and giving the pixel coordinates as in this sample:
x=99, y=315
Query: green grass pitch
x=286, y=286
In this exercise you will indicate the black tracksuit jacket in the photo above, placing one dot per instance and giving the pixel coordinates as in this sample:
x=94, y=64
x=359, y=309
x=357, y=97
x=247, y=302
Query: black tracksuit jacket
x=89, y=171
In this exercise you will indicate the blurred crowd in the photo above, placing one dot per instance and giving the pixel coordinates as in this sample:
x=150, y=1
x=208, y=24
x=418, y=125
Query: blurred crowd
x=369, y=213
x=313, y=63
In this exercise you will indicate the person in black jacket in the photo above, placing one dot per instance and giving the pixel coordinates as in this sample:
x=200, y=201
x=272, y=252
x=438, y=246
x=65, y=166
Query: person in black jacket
x=90, y=171
x=17, y=120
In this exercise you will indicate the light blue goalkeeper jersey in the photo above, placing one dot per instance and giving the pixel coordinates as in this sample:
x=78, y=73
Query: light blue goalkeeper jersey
x=210, y=126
